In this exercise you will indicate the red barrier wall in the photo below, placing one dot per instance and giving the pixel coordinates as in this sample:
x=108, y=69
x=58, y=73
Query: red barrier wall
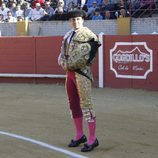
x=47, y=51
x=16, y=56
x=129, y=61
x=32, y=55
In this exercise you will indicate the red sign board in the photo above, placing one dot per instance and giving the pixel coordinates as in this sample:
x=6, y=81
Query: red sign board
x=131, y=60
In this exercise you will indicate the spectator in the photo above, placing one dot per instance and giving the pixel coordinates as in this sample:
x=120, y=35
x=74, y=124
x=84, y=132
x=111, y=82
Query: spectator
x=123, y=13
x=1, y=1
x=118, y=6
x=70, y=7
x=27, y=11
x=19, y=18
x=10, y=2
x=10, y=18
x=82, y=3
x=107, y=15
x=68, y=3
x=4, y=10
x=60, y=14
x=53, y=3
x=28, y=1
x=84, y=8
x=41, y=2
x=89, y=3
x=113, y=1
x=21, y=3
x=49, y=11
x=37, y=13
x=97, y=15
x=91, y=9
x=19, y=12
x=106, y=5
x=61, y=3
x=1, y=18
x=13, y=9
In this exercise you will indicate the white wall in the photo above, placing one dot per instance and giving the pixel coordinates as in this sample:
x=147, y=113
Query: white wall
x=57, y=28
x=8, y=29
x=145, y=25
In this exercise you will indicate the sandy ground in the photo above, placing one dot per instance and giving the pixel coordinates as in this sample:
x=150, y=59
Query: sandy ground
x=127, y=122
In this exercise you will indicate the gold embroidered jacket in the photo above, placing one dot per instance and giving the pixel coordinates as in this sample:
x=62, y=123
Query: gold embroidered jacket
x=79, y=52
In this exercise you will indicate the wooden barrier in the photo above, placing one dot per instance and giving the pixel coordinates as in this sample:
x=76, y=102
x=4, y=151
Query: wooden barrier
x=17, y=55
x=22, y=28
x=129, y=61
x=25, y=59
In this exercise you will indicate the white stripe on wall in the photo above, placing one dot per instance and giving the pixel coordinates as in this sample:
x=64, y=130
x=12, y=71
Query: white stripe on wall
x=101, y=68
x=32, y=75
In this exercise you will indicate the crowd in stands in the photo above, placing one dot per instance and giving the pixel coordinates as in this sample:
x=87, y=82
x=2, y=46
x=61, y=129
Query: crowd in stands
x=45, y=10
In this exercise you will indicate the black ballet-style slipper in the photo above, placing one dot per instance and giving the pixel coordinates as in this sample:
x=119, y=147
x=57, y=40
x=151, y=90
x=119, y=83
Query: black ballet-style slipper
x=75, y=143
x=88, y=148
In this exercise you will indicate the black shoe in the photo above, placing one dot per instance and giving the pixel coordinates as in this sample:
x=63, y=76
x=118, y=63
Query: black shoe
x=75, y=143
x=88, y=148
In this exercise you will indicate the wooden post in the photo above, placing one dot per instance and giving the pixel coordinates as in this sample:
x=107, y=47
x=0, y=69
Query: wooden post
x=22, y=28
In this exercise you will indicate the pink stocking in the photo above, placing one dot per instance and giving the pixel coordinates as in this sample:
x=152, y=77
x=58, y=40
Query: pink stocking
x=92, y=132
x=79, y=127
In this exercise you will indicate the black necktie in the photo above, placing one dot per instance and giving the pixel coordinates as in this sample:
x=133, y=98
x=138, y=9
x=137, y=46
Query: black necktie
x=73, y=33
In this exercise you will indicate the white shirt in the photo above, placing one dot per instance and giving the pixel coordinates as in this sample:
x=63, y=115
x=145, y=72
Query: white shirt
x=4, y=12
x=37, y=14
x=19, y=13
x=69, y=1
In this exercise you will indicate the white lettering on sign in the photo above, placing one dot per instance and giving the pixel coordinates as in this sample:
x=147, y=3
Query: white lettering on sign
x=123, y=67
x=131, y=60
x=121, y=56
x=137, y=68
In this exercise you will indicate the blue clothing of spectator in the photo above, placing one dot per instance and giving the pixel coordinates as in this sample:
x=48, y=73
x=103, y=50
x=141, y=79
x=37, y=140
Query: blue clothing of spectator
x=97, y=17
x=89, y=2
x=108, y=7
x=113, y=1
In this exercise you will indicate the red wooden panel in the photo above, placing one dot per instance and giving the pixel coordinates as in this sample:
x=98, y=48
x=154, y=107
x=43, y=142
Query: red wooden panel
x=47, y=51
x=151, y=81
x=126, y=59
x=17, y=55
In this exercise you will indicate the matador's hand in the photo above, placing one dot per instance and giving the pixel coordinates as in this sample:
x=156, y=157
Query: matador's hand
x=64, y=65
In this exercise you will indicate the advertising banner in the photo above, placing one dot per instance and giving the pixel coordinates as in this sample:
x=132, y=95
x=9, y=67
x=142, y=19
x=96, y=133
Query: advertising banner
x=130, y=61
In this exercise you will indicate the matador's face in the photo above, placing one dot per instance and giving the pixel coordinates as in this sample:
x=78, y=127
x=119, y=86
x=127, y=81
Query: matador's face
x=77, y=22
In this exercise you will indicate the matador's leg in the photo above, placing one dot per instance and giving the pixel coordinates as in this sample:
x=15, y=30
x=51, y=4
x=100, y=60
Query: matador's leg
x=74, y=103
x=84, y=90
x=73, y=97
